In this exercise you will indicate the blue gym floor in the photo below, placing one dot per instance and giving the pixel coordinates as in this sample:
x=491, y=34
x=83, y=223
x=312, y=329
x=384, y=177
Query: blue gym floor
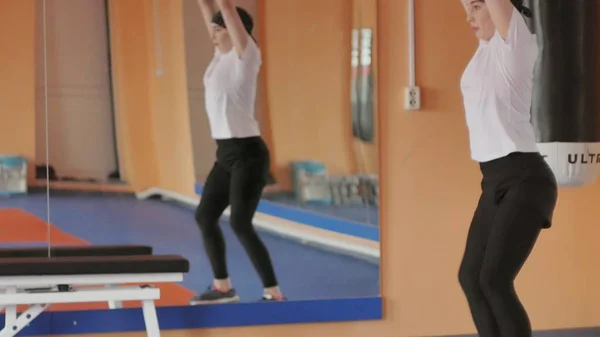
x=304, y=272
x=364, y=214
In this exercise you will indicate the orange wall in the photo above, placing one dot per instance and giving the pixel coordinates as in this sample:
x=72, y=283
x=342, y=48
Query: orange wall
x=152, y=117
x=306, y=50
x=17, y=85
x=171, y=117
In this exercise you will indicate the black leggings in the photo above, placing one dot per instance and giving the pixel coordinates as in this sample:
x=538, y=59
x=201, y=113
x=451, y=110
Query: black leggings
x=237, y=180
x=519, y=193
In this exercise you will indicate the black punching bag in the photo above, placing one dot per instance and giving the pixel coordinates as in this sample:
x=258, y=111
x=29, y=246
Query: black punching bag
x=363, y=126
x=566, y=93
x=354, y=101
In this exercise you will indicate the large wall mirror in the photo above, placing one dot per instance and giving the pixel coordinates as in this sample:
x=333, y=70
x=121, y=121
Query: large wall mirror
x=316, y=110
x=126, y=152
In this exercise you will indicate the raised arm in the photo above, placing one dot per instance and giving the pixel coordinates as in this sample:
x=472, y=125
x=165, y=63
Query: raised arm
x=501, y=13
x=235, y=27
x=208, y=9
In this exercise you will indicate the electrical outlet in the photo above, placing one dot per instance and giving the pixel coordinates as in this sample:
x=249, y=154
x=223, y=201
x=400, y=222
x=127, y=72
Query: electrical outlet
x=412, y=98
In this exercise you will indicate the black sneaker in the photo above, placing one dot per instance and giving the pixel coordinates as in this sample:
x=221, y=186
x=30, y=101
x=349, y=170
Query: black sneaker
x=215, y=296
x=271, y=298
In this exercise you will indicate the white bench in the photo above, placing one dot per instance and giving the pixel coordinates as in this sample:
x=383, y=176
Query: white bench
x=54, y=284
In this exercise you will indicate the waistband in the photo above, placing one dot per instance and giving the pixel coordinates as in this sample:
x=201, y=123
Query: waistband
x=237, y=151
x=513, y=163
x=235, y=142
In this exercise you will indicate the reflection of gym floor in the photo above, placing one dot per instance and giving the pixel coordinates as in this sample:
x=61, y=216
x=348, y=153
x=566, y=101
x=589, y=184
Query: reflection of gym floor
x=364, y=214
x=19, y=228
x=304, y=272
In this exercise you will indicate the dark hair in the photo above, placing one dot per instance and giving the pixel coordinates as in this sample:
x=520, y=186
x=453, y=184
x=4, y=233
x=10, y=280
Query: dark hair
x=246, y=18
x=521, y=7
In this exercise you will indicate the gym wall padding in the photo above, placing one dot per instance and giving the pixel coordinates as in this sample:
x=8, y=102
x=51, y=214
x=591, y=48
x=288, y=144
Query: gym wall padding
x=17, y=86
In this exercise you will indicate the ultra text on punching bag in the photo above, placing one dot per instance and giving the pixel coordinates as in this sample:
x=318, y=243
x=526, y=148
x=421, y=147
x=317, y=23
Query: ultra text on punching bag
x=566, y=95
